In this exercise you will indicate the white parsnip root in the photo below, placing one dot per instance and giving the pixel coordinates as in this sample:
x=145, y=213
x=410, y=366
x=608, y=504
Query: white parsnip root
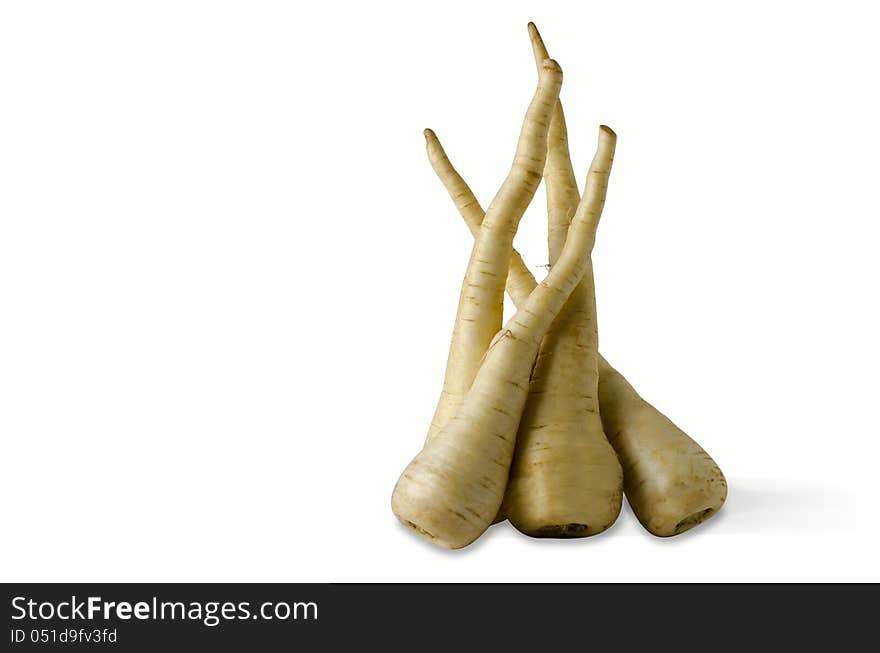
x=565, y=480
x=451, y=491
x=480, y=305
x=671, y=483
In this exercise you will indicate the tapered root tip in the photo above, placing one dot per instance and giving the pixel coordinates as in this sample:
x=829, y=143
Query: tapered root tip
x=538, y=47
x=537, y=42
x=607, y=139
x=432, y=146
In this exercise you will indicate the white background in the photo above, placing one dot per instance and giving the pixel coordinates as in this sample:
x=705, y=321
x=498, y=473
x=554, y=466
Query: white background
x=228, y=277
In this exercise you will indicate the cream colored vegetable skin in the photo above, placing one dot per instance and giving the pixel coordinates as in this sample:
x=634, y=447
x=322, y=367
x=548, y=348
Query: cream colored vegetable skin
x=451, y=491
x=640, y=434
x=671, y=483
x=565, y=480
x=480, y=307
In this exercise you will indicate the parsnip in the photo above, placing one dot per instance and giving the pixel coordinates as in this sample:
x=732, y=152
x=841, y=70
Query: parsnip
x=565, y=480
x=670, y=482
x=480, y=306
x=449, y=489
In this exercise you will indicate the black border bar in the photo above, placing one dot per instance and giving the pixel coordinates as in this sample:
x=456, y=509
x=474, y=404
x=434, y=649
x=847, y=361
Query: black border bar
x=420, y=617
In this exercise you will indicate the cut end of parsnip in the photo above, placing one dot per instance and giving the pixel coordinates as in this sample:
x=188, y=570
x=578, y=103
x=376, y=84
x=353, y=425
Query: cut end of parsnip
x=685, y=489
x=683, y=492
x=418, y=529
x=427, y=535
x=562, y=531
x=694, y=519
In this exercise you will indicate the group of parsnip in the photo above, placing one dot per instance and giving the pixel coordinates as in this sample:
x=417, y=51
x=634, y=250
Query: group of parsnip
x=533, y=424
